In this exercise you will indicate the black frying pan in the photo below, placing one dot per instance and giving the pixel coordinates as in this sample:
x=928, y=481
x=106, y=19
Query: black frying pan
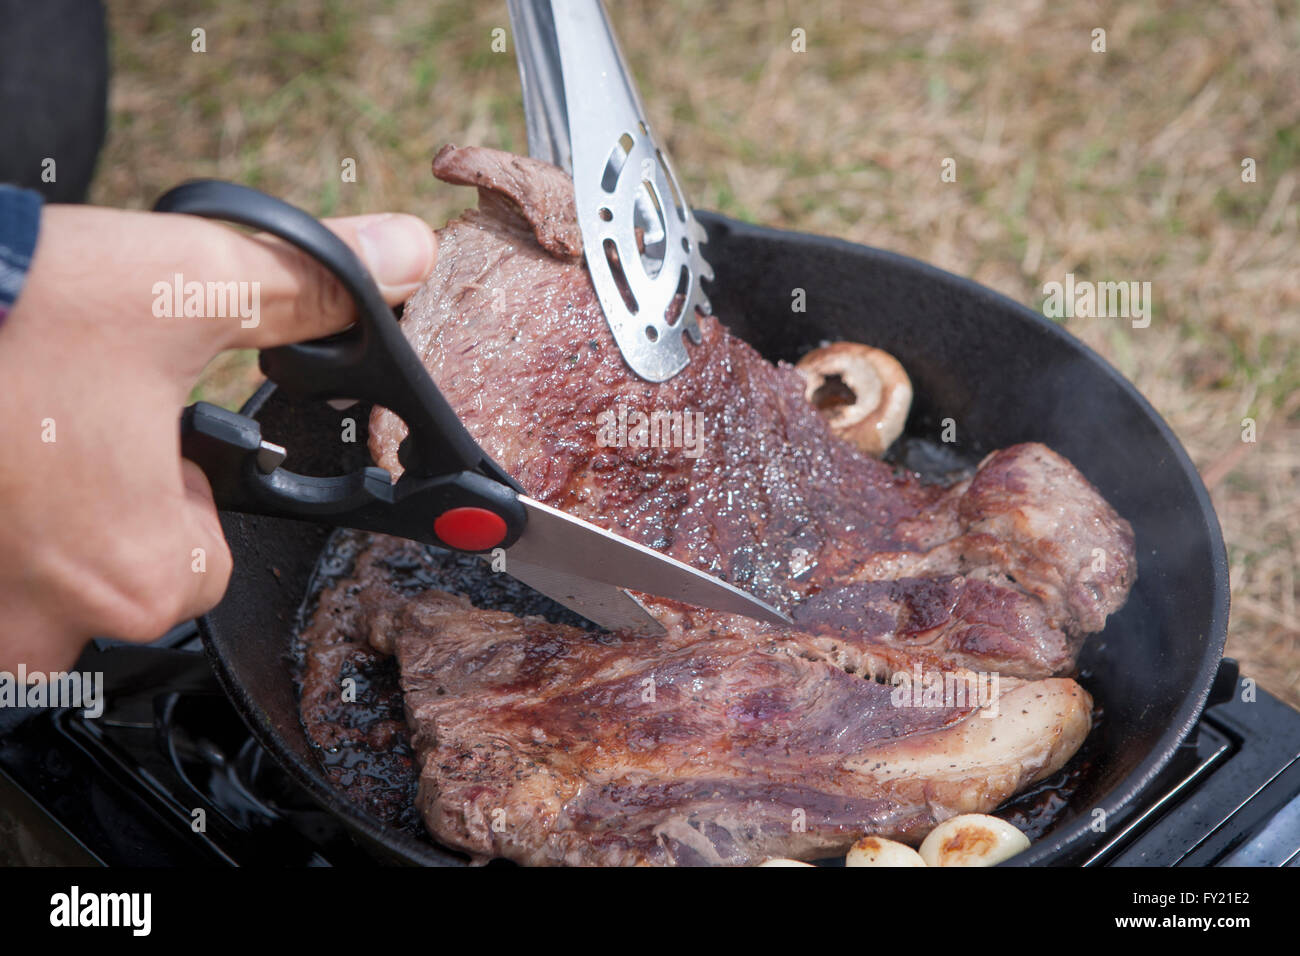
x=1003, y=373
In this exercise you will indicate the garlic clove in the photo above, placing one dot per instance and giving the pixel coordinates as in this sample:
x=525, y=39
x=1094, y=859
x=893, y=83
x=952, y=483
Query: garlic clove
x=875, y=851
x=972, y=839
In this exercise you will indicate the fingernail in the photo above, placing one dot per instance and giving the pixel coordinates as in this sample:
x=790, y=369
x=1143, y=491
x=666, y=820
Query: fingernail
x=397, y=249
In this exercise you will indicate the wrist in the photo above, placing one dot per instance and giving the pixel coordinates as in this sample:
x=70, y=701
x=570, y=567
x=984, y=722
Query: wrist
x=20, y=219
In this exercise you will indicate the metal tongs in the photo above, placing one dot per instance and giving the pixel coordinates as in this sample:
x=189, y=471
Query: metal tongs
x=451, y=494
x=584, y=115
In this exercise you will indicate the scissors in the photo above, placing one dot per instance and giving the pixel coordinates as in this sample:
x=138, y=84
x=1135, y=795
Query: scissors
x=451, y=494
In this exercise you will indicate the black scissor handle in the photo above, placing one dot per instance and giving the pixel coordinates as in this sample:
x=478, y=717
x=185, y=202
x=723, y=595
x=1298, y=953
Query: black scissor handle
x=465, y=511
x=450, y=483
x=371, y=361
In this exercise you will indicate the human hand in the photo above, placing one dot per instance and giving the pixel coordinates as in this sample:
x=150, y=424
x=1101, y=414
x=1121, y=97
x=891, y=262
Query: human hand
x=100, y=517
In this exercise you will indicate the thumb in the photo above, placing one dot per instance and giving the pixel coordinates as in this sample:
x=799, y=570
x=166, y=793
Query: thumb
x=300, y=299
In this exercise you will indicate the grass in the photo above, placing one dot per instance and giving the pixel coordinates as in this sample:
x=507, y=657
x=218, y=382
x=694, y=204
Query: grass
x=1117, y=165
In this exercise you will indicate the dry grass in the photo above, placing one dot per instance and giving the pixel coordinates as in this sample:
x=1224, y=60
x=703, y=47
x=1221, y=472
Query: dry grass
x=1117, y=165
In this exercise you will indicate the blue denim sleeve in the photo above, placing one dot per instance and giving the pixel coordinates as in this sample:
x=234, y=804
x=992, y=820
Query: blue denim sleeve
x=20, y=220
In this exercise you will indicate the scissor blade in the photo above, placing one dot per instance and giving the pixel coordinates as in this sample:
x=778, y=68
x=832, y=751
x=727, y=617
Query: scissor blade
x=570, y=546
x=610, y=607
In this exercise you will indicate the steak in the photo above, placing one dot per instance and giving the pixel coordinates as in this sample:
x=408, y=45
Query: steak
x=723, y=741
x=511, y=329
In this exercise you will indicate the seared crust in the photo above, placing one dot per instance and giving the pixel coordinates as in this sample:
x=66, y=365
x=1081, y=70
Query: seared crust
x=1033, y=516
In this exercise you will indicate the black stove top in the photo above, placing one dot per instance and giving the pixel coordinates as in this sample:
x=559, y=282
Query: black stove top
x=169, y=775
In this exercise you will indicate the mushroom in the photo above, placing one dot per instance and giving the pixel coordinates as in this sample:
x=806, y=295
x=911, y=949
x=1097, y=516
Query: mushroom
x=862, y=392
x=873, y=851
x=972, y=839
x=782, y=861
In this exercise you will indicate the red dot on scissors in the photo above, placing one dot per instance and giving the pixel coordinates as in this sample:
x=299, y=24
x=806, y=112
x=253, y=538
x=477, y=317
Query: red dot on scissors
x=470, y=529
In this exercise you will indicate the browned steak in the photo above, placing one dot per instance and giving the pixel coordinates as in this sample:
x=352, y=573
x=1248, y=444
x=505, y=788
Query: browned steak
x=723, y=742
x=350, y=699
x=773, y=502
